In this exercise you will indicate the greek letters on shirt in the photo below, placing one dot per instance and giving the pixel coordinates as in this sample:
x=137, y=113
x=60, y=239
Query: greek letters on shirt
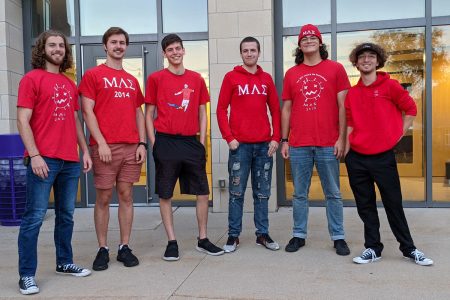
x=119, y=83
x=311, y=86
x=252, y=90
x=62, y=99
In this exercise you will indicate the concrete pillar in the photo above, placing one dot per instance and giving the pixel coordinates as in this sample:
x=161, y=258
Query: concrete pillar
x=229, y=22
x=11, y=62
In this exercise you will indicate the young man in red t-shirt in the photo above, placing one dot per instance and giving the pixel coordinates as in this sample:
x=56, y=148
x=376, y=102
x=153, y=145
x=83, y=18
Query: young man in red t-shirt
x=375, y=124
x=252, y=140
x=112, y=100
x=313, y=133
x=179, y=96
x=48, y=123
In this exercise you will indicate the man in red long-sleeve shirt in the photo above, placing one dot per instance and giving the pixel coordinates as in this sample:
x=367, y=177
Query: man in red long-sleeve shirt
x=374, y=108
x=252, y=140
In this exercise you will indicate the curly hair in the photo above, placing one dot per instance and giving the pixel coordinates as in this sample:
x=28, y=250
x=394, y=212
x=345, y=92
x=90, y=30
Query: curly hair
x=300, y=57
x=371, y=47
x=38, y=53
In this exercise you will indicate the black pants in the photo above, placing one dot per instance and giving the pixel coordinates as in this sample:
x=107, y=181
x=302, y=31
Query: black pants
x=363, y=172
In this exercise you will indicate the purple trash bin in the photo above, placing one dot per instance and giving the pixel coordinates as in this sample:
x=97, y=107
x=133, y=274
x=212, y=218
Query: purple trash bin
x=12, y=180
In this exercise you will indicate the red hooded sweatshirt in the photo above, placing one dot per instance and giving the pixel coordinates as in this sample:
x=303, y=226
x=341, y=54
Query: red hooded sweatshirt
x=248, y=96
x=375, y=113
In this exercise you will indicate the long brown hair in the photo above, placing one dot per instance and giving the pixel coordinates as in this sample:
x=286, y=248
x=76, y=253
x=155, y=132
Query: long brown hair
x=38, y=52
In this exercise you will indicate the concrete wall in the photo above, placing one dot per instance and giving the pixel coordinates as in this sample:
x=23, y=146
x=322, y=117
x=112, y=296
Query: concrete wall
x=11, y=62
x=229, y=22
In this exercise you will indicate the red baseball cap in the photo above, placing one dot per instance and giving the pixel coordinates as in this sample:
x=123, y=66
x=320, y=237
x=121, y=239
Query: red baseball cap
x=308, y=30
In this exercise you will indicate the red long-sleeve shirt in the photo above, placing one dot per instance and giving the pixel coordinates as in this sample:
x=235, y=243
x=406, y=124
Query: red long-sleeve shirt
x=248, y=96
x=375, y=113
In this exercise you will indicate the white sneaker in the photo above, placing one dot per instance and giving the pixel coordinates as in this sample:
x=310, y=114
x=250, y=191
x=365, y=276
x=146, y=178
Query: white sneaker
x=367, y=256
x=419, y=258
x=232, y=244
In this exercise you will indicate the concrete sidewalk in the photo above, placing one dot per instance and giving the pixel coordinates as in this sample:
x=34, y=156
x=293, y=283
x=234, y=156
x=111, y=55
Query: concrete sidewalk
x=252, y=272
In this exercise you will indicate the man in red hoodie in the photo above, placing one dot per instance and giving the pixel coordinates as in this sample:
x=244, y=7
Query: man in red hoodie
x=313, y=117
x=374, y=108
x=252, y=140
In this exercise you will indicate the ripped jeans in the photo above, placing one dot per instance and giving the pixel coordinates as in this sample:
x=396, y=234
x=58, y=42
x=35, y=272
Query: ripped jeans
x=246, y=158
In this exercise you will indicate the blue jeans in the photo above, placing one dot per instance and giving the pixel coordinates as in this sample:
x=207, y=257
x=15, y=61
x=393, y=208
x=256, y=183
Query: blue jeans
x=246, y=158
x=302, y=161
x=63, y=177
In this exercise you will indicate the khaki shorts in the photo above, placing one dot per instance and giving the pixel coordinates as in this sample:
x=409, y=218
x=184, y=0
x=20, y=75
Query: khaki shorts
x=122, y=168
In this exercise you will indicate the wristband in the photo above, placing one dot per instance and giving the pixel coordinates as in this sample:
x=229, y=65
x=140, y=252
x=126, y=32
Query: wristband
x=143, y=144
x=284, y=140
x=35, y=155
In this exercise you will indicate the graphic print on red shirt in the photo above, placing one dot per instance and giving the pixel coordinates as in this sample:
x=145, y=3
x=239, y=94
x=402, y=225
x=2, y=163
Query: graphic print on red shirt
x=117, y=94
x=177, y=99
x=315, y=113
x=53, y=99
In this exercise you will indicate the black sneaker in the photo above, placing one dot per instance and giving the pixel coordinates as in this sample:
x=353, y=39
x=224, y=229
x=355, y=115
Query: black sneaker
x=101, y=260
x=341, y=247
x=28, y=286
x=419, y=258
x=204, y=245
x=72, y=269
x=231, y=245
x=171, y=253
x=129, y=259
x=266, y=241
x=294, y=244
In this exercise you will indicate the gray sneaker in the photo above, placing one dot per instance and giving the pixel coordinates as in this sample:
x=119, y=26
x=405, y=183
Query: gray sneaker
x=266, y=241
x=232, y=244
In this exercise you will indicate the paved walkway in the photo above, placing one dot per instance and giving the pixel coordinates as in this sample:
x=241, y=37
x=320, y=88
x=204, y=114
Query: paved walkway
x=253, y=272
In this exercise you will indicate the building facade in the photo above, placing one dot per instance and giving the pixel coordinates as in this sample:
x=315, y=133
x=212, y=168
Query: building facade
x=416, y=34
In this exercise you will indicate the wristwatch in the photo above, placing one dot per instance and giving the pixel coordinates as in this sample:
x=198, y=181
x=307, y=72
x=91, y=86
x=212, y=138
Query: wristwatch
x=143, y=144
x=284, y=140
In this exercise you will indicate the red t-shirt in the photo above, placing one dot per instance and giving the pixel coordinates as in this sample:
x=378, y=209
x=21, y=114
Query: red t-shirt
x=53, y=99
x=313, y=91
x=117, y=94
x=177, y=99
x=248, y=96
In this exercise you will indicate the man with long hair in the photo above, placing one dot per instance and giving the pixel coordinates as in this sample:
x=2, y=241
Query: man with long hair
x=48, y=123
x=379, y=113
x=112, y=100
x=313, y=133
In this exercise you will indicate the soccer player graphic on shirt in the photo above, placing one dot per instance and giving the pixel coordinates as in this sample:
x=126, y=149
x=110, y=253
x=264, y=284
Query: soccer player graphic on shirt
x=186, y=91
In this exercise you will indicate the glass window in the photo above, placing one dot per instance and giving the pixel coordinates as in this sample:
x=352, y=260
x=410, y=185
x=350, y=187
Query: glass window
x=297, y=13
x=440, y=8
x=53, y=14
x=196, y=59
x=290, y=45
x=185, y=16
x=367, y=10
x=135, y=17
x=406, y=48
x=441, y=113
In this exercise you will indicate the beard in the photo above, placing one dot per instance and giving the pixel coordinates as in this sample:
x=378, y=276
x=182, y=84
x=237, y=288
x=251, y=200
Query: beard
x=54, y=61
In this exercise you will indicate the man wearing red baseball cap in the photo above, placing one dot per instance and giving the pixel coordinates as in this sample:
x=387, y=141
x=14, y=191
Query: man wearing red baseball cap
x=313, y=133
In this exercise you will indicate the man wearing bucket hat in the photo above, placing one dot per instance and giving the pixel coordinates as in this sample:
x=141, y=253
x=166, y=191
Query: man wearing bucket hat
x=375, y=124
x=313, y=133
